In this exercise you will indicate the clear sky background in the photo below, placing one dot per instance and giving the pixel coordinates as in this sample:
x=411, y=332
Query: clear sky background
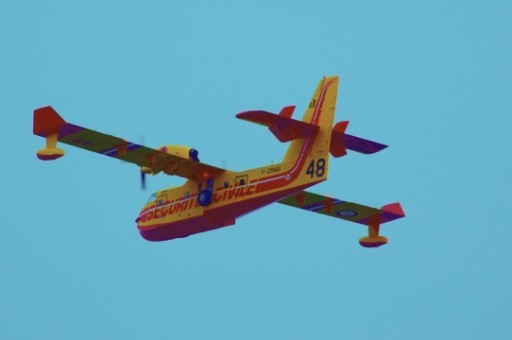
x=431, y=79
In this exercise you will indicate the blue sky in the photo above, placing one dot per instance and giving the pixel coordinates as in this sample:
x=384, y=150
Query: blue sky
x=431, y=79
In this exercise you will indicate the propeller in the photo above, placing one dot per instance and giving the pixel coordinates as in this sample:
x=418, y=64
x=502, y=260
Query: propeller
x=142, y=180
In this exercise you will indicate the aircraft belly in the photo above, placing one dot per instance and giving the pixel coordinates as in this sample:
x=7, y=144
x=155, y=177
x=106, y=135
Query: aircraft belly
x=178, y=229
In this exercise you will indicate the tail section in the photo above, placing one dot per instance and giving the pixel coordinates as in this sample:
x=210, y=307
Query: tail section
x=316, y=123
x=311, y=154
x=320, y=112
x=306, y=161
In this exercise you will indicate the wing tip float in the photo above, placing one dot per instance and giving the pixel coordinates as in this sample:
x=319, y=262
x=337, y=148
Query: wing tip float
x=388, y=213
x=46, y=124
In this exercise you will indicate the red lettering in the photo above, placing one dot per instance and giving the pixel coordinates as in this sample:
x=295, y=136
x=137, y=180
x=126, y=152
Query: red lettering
x=239, y=192
x=173, y=208
x=181, y=206
x=243, y=191
x=157, y=213
x=231, y=193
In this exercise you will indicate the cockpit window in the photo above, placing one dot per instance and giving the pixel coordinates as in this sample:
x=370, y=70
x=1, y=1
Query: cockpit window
x=152, y=198
x=161, y=200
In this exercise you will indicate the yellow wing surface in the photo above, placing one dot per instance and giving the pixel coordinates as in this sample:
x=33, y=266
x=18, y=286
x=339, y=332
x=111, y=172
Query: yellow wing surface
x=48, y=124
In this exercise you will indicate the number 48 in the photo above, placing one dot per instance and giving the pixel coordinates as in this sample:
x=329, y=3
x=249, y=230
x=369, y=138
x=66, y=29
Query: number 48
x=316, y=168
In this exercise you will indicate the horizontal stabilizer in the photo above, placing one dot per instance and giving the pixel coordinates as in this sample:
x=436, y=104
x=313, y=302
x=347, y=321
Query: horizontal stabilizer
x=340, y=141
x=281, y=125
x=362, y=145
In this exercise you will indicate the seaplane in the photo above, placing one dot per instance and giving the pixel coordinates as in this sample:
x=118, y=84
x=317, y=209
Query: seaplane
x=213, y=197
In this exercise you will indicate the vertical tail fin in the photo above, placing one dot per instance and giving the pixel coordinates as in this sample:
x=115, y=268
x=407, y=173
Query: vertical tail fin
x=320, y=112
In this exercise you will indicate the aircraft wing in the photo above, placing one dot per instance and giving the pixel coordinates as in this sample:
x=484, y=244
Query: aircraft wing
x=47, y=121
x=349, y=211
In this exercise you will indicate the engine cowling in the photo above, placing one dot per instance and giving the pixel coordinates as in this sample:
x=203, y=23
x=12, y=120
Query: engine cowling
x=176, y=150
x=181, y=151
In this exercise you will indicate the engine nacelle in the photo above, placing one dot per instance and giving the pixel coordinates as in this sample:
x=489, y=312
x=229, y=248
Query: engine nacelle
x=181, y=151
x=176, y=150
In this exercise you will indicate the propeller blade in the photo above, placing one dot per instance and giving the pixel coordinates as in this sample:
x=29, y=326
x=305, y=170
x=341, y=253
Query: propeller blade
x=143, y=181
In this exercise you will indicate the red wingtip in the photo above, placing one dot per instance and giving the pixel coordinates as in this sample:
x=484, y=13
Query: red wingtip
x=394, y=208
x=46, y=120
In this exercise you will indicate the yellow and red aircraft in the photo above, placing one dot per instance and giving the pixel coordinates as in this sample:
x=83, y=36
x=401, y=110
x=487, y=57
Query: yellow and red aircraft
x=213, y=197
